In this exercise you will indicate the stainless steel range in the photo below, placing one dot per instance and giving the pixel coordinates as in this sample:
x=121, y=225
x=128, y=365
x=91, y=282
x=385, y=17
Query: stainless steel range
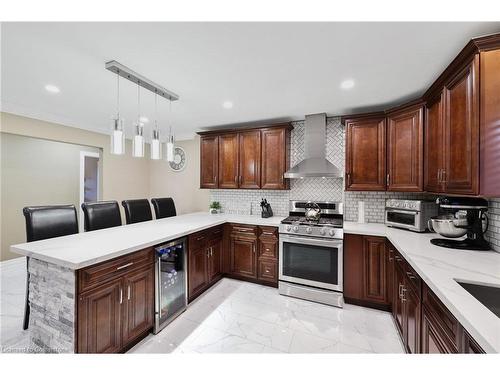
x=311, y=251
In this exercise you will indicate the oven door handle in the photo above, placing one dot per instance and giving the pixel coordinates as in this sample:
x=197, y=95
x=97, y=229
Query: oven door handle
x=311, y=241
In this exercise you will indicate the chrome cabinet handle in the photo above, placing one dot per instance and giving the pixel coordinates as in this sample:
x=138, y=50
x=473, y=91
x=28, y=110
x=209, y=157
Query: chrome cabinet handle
x=124, y=266
x=200, y=238
x=390, y=253
x=121, y=296
x=403, y=292
x=128, y=292
x=439, y=176
x=399, y=290
x=388, y=179
x=410, y=275
x=267, y=271
x=443, y=176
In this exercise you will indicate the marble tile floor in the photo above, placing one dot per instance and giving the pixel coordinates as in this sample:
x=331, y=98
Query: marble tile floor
x=240, y=317
x=233, y=317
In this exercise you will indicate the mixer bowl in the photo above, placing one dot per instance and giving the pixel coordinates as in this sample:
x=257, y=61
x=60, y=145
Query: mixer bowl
x=448, y=226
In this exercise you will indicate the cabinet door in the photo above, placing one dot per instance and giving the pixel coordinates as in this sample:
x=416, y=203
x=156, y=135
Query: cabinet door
x=197, y=270
x=411, y=302
x=209, y=156
x=389, y=264
x=470, y=346
x=99, y=319
x=249, y=159
x=365, y=154
x=138, y=299
x=462, y=132
x=228, y=161
x=397, y=303
x=374, y=286
x=433, y=340
x=405, y=134
x=274, y=158
x=243, y=256
x=353, y=266
x=215, y=262
x=434, y=146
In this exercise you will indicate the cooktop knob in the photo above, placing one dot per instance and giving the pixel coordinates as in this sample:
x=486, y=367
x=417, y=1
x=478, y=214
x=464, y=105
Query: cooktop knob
x=308, y=230
x=295, y=228
x=322, y=231
x=288, y=228
x=331, y=232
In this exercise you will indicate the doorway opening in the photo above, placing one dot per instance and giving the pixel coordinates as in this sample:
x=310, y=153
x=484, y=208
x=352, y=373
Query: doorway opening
x=89, y=181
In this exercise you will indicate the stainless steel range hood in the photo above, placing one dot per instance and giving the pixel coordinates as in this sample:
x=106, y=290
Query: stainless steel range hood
x=314, y=163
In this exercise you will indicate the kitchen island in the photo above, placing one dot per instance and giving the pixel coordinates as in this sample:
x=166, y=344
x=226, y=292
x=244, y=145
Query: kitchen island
x=54, y=266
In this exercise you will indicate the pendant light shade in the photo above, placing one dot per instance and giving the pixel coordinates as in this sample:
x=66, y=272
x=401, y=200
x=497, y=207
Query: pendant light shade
x=117, y=137
x=170, y=146
x=117, y=134
x=138, y=141
x=156, y=145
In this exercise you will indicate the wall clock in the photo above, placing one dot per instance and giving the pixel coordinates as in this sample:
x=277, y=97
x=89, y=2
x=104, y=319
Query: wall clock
x=179, y=161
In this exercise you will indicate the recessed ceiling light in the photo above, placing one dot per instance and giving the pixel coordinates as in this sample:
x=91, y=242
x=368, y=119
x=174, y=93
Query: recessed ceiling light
x=52, y=89
x=347, y=84
x=227, y=104
x=144, y=119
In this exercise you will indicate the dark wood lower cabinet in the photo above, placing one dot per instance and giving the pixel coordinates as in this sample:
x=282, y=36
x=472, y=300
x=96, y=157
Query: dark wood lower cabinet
x=204, y=260
x=434, y=340
x=470, y=346
x=117, y=311
x=365, y=271
x=243, y=250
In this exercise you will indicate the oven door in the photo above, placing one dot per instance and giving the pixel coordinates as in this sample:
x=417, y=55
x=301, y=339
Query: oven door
x=311, y=261
x=403, y=219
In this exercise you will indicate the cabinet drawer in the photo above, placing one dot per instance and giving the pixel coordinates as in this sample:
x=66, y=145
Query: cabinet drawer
x=96, y=275
x=237, y=229
x=268, y=248
x=198, y=239
x=268, y=270
x=269, y=232
x=414, y=281
x=447, y=322
x=216, y=233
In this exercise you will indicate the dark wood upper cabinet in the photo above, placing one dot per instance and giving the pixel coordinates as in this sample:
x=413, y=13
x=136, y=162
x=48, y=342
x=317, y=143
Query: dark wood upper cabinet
x=365, y=152
x=434, y=145
x=461, y=131
x=228, y=161
x=249, y=159
x=209, y=162
x=405, y=132
x=275, y=158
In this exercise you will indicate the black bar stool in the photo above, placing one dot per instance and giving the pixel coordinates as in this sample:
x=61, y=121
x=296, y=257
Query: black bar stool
x=44, y=222
x=164, y=207
x=100, y=215
x=137, y=210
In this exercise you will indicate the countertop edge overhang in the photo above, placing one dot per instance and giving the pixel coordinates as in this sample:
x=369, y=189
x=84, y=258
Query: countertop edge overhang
x=88, y=248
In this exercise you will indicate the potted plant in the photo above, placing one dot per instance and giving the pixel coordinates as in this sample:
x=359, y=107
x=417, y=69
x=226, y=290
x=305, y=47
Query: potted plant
x=214, y=207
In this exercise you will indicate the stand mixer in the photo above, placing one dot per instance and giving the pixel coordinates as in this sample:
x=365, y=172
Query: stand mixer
x=465, y=214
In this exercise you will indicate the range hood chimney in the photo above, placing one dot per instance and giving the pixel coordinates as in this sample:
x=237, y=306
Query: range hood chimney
x=314, y=163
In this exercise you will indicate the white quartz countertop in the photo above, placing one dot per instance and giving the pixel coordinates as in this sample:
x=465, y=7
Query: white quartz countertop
x=84, y=249
x=440, y=267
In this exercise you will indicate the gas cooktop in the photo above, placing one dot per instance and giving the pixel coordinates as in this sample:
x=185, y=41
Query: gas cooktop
x=323, y=221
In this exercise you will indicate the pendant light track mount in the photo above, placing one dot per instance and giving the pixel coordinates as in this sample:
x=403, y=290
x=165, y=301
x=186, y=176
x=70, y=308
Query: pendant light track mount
x=138, y=79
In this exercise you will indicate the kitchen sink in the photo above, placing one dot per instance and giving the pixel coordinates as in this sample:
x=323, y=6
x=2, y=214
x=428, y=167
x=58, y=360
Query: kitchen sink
x=489, y=296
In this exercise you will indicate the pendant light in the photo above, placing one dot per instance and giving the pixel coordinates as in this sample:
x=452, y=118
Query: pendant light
x=117, y=134
x=170, y=140
x=155, y=139
x=138, y=141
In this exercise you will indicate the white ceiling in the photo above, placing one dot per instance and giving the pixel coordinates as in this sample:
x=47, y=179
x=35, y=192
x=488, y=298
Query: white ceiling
x=269, y=71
